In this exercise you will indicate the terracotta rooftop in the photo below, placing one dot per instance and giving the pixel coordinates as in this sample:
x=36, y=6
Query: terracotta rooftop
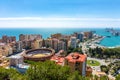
x=59, y=60
x=76, y=57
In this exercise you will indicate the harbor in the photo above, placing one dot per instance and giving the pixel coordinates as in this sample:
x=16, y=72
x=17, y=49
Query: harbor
x=113, y=31
x=95, y=42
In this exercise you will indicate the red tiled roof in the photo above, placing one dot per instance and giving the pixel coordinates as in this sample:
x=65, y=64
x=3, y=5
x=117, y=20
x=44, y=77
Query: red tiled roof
x=59, y=60
x=76, y=57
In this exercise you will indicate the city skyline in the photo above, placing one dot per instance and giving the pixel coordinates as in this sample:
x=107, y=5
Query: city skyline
x=68, y=13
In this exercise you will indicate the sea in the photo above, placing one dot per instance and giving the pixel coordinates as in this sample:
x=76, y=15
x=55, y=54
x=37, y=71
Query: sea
x=113, y=41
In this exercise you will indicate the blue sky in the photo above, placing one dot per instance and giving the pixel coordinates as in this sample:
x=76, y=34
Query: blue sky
x=100, y=11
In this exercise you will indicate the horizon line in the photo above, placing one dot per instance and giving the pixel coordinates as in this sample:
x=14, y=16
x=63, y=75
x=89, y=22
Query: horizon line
x=58, y=22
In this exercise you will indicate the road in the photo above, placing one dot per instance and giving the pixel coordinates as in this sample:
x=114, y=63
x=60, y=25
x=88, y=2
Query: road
x=97, y=68
x=102, y=62
x=92, y=42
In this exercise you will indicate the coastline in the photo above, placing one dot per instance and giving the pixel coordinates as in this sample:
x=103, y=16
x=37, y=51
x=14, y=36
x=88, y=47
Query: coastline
x=99, y=45
x=97, y=42
x=47, y=33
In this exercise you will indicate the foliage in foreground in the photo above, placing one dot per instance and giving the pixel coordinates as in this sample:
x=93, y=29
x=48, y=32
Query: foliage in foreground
x=11, y=74
x=118, y=77
x=48, y=71
x=41, y=71
x=45, y=71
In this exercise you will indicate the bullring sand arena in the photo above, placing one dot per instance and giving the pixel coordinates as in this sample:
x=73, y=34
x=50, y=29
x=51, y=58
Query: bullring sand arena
x=38, y=54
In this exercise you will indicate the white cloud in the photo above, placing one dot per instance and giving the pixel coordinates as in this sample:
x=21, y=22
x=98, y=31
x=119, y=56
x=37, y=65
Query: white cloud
x=35, y=22
x=40, y=18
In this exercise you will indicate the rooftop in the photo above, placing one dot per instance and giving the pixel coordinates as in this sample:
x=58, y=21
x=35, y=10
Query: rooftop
x=76, y=57
x=58, y=60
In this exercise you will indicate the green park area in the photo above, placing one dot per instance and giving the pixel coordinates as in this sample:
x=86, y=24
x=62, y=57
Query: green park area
x=93, y=63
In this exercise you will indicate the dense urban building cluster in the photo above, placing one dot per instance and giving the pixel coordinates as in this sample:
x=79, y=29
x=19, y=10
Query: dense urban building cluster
x=9, y=44
x=62, y=49
x=58, y=42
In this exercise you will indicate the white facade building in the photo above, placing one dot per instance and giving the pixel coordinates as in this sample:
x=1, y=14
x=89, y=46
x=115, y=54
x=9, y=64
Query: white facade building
x=16, y=60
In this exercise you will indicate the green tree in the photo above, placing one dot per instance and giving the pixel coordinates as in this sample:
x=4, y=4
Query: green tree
x=4, y=75
x=117, y=77
x=76, y=76
x=104, y=78
x=47, y=71
x=104, y=68
x=96, y=77
x=11, y=74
